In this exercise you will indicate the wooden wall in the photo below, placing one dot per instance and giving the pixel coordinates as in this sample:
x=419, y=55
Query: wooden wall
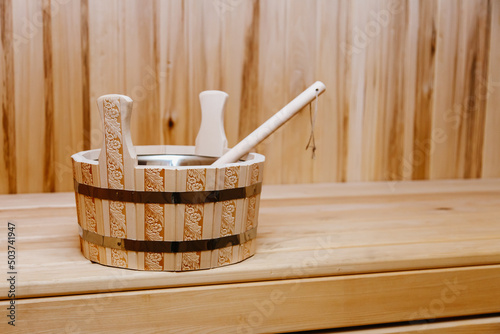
x=413, y=87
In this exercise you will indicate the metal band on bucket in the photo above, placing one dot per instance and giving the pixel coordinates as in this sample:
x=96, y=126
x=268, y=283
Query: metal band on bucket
x=167, y=246
x=168, y=197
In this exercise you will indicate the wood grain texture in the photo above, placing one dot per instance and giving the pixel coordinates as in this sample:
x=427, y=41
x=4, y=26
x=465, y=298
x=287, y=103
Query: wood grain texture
x=85, y=72
x=29, y=99
x=262, y=307
x=461, y=86
x=8, y=168
x=425, y=74
x=491, y=153
x=172, y=66
x=328, y=256
x=300, y=56
x=48, y=85
x=272, y=85
x=70, y=102
x=412, y=86
x=333, y=69
x=354, y=228
x=483, y=325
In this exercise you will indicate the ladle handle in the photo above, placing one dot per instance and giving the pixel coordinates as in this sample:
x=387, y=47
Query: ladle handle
x=271, y=125
x=117, y=159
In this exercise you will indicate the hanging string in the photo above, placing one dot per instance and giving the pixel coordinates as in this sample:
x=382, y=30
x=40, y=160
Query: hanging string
x=312, y=142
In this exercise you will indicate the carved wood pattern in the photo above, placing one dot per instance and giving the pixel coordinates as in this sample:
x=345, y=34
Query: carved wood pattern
x=251, y=211
x=90, y=210
x=193, y=218
x=231, y=178
x=77, y=196
x=153, y=217
x=115, y=177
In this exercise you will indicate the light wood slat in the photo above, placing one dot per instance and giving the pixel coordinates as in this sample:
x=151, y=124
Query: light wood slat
x=240, y=64
x=34, y=201
x=68, y=102
x=299, y=68
x=204, y=58
x=418, y=161
x=138, y=46
x=48, y=176
x=412, y=66
x=30, y=122
x=378, y=230
x=81, y=277
x=272, y=85
x=483, y=325
x=6, y=19
x=331, y=61
x=172, y=50
x=383, y=135
x=378, y=188
x=491, y=152
x=408, y=97
x=8, y=48
x=279, y=306
x=356, y=82
x=106, y=58
x=460, y=82
x=85, y=73
x=335, y=190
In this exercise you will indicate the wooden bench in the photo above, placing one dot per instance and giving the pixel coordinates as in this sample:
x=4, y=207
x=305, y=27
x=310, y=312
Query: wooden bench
x=398, y=257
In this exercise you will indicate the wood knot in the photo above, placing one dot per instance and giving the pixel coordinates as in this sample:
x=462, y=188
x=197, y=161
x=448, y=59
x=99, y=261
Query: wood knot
x=170, y=122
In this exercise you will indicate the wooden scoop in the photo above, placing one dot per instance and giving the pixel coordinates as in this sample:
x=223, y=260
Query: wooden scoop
x=271, y=125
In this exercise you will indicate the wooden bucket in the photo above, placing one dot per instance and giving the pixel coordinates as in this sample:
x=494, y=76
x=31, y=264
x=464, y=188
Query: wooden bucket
x=137, y=215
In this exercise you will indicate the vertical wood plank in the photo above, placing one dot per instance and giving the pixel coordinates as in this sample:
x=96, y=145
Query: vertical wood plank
x=240, y=46
x=273, y=89
x=228, y=215
x=172, y=53
x=479, y=18
x=154, y=218
x=412, y=86
x=204, y=57
x=8, y=46
x=491, y=150
x=170, y=216
x=408, y=99
x=420, y=159
x=85, y=73
x=68, y=104
x=460, y=84
x=140, y=215
x=180, y=185
x=49, y=184
x=357, y=54
x=106, y=58
x=299, y=74
x=30, y=125
x=249, y=97
x=383, y=135
x=251, y=211
x=333, y=70
x=141, y=74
